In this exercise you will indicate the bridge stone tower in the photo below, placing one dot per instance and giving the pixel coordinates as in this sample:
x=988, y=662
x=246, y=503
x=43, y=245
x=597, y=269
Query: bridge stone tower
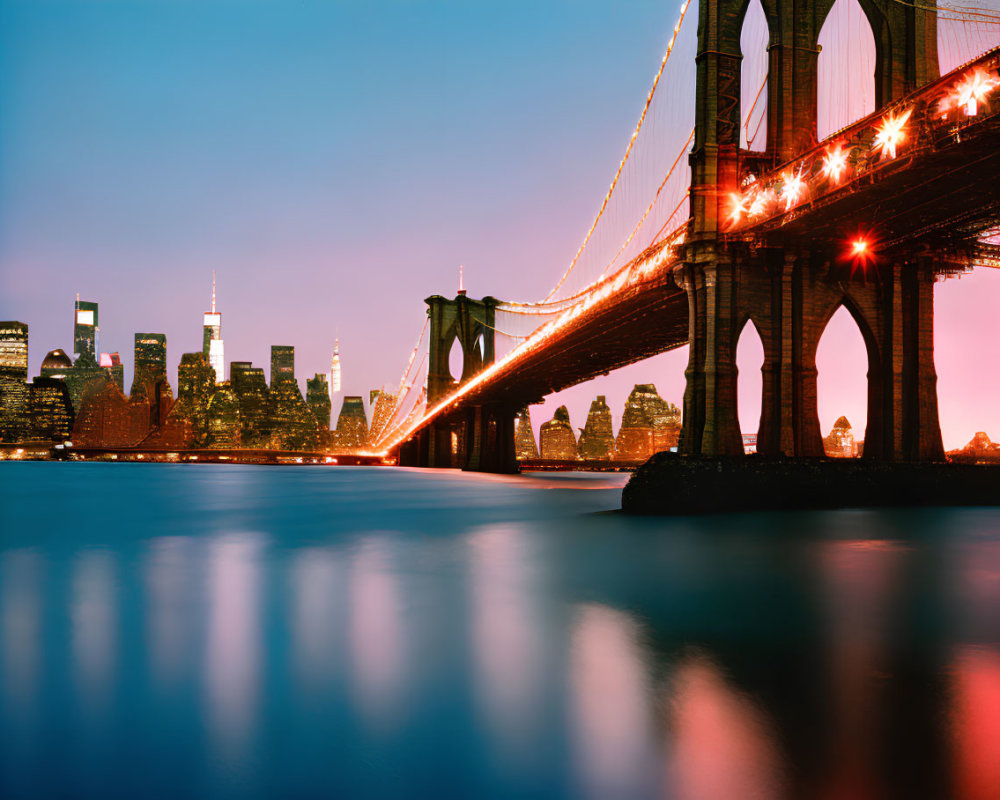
x=790, y=288
x=479, y=437
x=472, y=323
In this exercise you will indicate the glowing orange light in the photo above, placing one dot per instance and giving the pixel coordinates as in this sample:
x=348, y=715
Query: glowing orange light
x=891, y=133
x=973, y=90
x=859, y=247
x=834, y=163
x=739, y=208
x=761, y=200
x=792, y=189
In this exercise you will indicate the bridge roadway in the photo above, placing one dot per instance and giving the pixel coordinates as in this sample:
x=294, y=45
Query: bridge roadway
x=942, y=187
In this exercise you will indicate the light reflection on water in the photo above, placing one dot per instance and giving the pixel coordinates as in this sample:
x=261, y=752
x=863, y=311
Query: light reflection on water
x=94, y=613
x=377, y=643
x=233, y=642
x=243, y=632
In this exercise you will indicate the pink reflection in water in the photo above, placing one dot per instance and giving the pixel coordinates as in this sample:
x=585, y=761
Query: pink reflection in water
x=317, y=583
x=611, y=720
x=20, y=628
x=861, y=582
x=94, y=618
x=376, y=635
x=507, y=642
x=976, y=723
x=723, y=745
x=168, y=587
x=233, y=650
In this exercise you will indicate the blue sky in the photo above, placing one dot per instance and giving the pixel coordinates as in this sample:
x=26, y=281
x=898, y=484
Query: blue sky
x=333, y=161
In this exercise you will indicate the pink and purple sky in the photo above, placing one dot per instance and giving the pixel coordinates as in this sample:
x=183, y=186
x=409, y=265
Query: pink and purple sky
x=334, y=162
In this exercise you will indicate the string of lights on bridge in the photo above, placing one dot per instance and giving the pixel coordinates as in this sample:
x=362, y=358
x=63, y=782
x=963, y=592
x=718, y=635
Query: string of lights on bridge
x=865, y=146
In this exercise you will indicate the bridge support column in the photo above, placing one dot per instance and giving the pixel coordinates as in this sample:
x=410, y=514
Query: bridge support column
x=711, y=426
x=490, y=439
x=907, y=425
x=439, y=445
x=923, y=422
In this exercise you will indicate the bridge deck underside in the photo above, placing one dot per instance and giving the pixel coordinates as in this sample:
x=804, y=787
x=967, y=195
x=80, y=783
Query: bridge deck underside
x=635, y=325
x=947, y=192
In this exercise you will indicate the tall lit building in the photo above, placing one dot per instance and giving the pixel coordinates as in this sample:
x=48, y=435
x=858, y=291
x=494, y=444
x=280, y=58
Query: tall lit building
x=383, y=405
x=150, y=383
x=211, y=343
x=335, y=371
x=282, y=363
x=85, y=332
x=14, y=398
x=150, y=354
x=352, y=424
x=256, y=423
x=649, y=425
x=318, y=400
x=597, y=441
x=524, y=436
x=51, y=410
x=558, y=442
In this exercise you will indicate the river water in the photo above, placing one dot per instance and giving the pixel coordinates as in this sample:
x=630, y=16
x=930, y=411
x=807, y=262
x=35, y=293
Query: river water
x=236, y=631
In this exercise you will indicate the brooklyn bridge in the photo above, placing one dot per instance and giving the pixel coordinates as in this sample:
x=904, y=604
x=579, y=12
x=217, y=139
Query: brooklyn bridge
x=706, y=229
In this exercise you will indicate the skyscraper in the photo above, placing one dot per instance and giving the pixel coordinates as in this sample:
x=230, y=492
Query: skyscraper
x=14, y=398
x=352, y=424
x=649, y=425
x=150, y=382
x=85, y=332
x=597, y=441
x=282, y=363
x=211, y=343
x=51, y=410
x=150, y=357
x=557, y=438
x=524, y=436
x=335, y=371
x=318, y=400
x=256, y=418
x=383, y=405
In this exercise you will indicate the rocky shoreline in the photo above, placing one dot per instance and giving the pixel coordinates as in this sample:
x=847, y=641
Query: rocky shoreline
x=669, y=484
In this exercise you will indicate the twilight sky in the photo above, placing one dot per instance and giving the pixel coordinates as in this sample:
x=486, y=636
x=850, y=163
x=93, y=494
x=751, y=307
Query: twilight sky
x=334, y=161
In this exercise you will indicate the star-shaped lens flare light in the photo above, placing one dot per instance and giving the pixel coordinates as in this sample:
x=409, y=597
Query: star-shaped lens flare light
x=792, y=189
x=973, y=90
x=759, y=203
x=834, y=164
x=739, y=208
x=859, y=253
x=891, y=133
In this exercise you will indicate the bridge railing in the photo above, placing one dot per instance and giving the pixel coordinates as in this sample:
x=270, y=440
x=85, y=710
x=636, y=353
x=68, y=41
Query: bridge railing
x=942, y=110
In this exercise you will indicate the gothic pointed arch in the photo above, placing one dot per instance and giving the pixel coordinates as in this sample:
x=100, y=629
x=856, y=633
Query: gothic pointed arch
x=846, y=67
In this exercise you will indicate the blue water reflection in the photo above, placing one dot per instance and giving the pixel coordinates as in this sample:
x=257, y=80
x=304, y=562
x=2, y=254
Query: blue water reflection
x=184, y=631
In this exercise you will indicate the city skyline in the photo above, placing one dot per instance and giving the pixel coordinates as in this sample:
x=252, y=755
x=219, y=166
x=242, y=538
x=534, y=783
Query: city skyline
x=189, y=153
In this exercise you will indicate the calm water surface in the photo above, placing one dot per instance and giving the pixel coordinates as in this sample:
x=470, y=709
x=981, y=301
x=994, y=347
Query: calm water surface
x=214, y=631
